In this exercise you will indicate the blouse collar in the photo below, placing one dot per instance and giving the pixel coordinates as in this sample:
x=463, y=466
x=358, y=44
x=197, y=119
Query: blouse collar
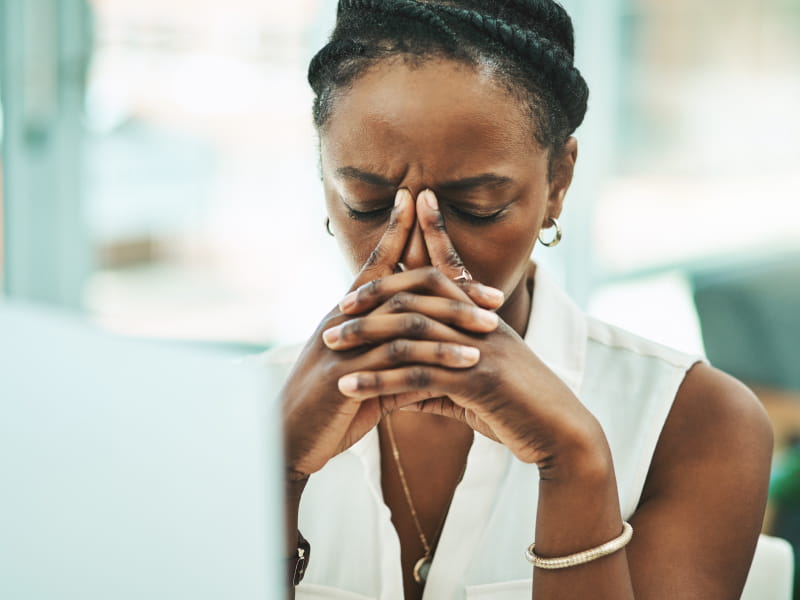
x=557, y=331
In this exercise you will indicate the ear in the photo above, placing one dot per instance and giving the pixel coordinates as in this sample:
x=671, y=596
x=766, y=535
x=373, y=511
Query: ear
x=562, y=168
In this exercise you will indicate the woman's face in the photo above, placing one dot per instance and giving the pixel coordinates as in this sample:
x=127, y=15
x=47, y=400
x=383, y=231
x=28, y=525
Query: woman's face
x=455, y=130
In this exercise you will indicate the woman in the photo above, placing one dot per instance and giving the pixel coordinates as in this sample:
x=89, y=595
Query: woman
x=456, y=406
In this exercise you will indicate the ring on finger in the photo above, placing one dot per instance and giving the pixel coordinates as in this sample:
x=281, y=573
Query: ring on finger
x=465, y=275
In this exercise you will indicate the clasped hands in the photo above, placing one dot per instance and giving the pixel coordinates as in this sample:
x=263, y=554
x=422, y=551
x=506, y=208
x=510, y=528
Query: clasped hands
x=420, y=341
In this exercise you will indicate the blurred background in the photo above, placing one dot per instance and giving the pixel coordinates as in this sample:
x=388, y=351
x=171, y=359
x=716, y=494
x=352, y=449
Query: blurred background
x=160, y=176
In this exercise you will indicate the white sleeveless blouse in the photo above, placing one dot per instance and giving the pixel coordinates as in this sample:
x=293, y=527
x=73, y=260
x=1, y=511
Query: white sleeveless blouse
x=628, y=383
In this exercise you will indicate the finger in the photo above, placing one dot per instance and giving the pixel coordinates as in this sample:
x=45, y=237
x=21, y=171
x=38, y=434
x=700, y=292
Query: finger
x=417, y=402
x=427, y=281
x=483, y=295
x=441, y=250
x=373, y=330
x=401, y=353
x=452, y=312
x=434, y=381
x=442, y=406
x=384, y=258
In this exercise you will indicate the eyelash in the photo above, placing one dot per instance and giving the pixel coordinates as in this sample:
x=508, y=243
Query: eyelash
x=468, y=217
x=369, y=215
x=476, y=219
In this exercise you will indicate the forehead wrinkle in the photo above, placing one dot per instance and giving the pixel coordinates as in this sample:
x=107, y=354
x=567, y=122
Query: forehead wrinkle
x=391, y=151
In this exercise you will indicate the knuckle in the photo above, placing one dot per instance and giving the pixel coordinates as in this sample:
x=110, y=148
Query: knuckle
x=453, y=259
x=375, y=257
x=400, y=302
x=415, y=325
x=394, y=224
x=443, y=351
x=433, y=277
x=459, y=309
x=370, y=290
x=367, y=381
x=466, y=286
x=352, y=330
x=374, y=288
x=439, y=225
x=398, y=351
x=373, y=381
x=418, y=378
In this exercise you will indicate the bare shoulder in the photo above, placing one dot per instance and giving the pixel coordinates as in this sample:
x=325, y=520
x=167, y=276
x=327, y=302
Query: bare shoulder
x=704, y=499
x=715, y=421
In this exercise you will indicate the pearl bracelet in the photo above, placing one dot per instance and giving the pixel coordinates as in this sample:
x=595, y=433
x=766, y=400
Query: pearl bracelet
x=586, y=556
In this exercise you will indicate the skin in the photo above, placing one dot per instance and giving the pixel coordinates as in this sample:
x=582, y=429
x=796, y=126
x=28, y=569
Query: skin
x=448, y=358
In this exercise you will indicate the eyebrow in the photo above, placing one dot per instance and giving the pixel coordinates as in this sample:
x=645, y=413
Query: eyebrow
x=484, y=180
x=371, y=178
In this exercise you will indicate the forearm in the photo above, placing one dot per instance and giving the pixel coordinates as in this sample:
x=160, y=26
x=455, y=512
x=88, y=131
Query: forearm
x=578, y=510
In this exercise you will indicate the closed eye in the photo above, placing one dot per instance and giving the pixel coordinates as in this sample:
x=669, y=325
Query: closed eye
x=475, y=218
x=369, y=215
x=468, y=216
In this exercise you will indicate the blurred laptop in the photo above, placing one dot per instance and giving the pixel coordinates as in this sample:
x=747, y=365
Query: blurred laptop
x=133, y=470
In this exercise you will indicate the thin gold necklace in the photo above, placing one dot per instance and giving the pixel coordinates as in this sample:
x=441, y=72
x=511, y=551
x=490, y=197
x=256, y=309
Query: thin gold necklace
x=423, y=566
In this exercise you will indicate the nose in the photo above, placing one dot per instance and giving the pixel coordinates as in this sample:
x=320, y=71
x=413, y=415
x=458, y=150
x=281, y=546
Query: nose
x=415, y=254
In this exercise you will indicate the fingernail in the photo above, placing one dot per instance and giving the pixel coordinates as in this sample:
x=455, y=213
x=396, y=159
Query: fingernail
x=401, y=196
x=470, y=355
x=487, y=318
x=331, y=336
x=348, y=301
x=348, y=384
x=493, y=294
x=430, y=199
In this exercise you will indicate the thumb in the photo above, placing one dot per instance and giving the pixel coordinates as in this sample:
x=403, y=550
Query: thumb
x=441, y=250
x=384, y=258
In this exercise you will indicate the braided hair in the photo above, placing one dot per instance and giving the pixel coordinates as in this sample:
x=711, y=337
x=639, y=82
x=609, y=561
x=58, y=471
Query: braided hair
x=529, y=44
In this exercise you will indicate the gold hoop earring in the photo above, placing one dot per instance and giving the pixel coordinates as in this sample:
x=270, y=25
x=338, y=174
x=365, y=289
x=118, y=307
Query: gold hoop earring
x=328, y=227
x=559, y=234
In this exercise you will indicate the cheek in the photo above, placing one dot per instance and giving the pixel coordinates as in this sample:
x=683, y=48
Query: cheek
x=499, y=256
x=356, y=240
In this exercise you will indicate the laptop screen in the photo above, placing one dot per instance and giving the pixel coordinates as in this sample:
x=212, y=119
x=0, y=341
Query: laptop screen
x=131, y=469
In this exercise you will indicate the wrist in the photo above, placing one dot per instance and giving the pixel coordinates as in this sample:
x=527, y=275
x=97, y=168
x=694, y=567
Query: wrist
x=293, y=492
x=578, y=504
x=583, y=455
x=297, y=562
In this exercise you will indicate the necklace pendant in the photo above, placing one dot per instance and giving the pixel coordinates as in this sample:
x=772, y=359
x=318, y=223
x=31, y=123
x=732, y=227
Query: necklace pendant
x=422, y=568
